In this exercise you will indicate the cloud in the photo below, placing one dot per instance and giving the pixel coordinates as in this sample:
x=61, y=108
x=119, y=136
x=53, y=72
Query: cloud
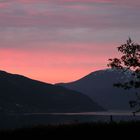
x=76, y=33
x=48, y=21
x=134, y=2
x=61, y=16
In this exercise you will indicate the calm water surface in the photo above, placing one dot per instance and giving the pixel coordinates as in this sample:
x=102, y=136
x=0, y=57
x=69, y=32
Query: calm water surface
x=32, y=119
x=107, y=113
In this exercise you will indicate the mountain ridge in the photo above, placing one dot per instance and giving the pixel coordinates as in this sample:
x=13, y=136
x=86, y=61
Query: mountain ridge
x=22, y=94
x=98, y=85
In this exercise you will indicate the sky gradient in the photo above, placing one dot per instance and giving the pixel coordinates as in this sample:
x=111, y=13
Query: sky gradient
x=63, y=40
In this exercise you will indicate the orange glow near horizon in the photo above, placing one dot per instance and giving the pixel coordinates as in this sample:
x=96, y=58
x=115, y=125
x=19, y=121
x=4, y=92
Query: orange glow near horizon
x=49, y=67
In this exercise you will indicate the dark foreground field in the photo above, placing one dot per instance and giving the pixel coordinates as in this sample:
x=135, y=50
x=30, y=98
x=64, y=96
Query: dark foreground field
x=91, y=130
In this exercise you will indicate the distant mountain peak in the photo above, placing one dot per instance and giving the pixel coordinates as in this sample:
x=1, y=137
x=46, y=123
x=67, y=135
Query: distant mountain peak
x=3, y=72
x=9, y=74
x=99, y=85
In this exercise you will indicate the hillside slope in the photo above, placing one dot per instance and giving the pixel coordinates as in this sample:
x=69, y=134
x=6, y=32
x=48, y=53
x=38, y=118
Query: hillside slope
x=21, y=94
x=99, y=86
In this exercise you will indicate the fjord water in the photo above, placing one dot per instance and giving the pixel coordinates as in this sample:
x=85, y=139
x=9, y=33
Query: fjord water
x=27, y=95
x=34, y=119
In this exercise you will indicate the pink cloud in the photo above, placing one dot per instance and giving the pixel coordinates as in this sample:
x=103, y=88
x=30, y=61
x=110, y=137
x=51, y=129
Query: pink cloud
x=70, y=16
x=134, y=2
x=4, y=4
x=64, y=41
x=129, y=2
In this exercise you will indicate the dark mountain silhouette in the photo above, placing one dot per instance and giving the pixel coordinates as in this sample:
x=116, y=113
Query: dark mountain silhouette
x=21, y=94
x=99, y=86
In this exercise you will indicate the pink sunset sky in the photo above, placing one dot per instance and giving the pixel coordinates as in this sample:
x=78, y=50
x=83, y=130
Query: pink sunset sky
x=63, y=40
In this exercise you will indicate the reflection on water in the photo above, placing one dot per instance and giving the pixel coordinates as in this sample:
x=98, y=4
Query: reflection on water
x=107, y=113
x=30, y=119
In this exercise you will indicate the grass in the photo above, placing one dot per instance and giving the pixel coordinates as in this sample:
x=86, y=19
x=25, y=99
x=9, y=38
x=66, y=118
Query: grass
x=75, y=129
